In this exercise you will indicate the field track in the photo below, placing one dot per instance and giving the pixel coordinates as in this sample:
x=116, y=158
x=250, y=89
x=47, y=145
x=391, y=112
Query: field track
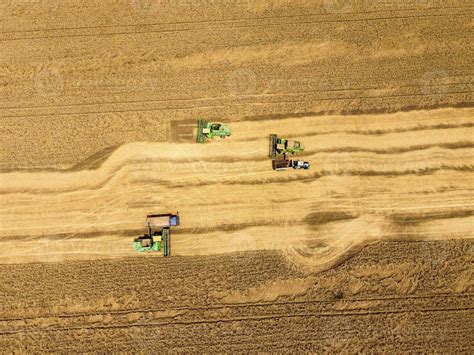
x=409, y=177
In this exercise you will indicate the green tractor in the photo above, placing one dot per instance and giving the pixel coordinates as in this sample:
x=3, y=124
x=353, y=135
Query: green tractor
x=209, y=130
x=158, y=233
x=280, y=147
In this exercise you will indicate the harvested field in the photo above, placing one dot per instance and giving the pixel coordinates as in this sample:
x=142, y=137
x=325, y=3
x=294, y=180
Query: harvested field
x=245, y=302
x=375, y=178
x=371, y=250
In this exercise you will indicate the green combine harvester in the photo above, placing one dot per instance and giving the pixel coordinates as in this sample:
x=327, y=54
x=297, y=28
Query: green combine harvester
x=153, y=243
x=158, y=233
x=280, y=147
x=209, y=130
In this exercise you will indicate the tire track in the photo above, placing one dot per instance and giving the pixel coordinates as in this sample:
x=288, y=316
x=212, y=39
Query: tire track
x=206, y=107
x=277, y=95
x=258, y=23
x=240, y=319
x=243, y=305
x=248, y=97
